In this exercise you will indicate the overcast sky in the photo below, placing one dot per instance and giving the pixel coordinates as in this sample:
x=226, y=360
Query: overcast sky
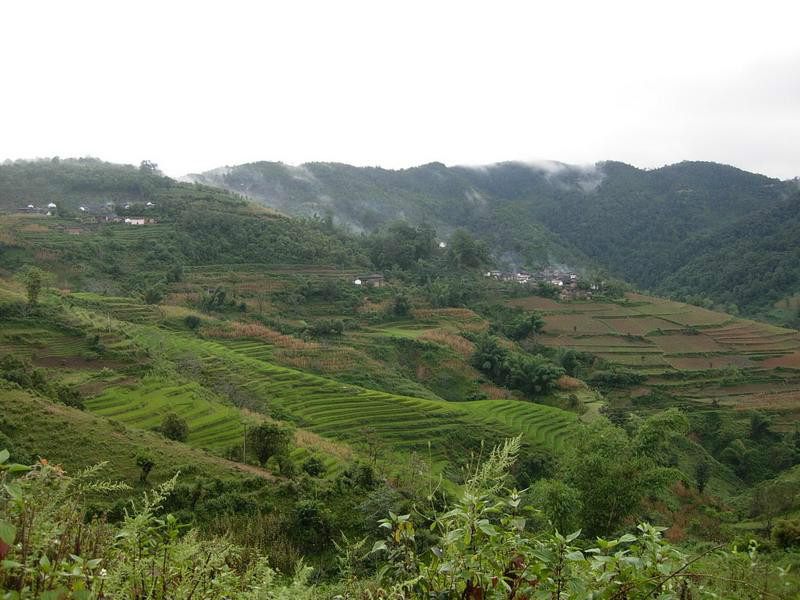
x=196, y=85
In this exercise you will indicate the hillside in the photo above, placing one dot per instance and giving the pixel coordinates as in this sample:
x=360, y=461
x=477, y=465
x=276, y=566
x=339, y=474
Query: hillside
x=752, y=263
x=302, y=398
x=642, y=226
x=94, y=249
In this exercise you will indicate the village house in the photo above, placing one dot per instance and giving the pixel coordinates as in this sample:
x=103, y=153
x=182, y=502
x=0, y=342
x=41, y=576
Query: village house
x=374, y=280
x=139, y=220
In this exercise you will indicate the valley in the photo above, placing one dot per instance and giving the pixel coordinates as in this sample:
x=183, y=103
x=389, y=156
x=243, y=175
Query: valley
x=379, y=369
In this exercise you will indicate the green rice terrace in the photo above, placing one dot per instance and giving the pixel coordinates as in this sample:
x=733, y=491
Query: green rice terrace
x=449, y=432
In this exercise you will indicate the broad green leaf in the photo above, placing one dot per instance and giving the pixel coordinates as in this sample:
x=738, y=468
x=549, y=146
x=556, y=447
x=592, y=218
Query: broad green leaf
x=487, y=528
x=573, y=535
x=15, y=468
x=7, y=532
x=14, y=490
x=4, y=454
x=10, y=564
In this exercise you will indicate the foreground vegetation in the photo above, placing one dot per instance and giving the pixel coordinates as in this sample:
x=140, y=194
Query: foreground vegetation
x=481, y=546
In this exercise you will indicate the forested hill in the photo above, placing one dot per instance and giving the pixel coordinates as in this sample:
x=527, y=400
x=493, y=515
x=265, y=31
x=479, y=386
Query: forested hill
x=635, y=223
x=187, y=224
x=755, y=263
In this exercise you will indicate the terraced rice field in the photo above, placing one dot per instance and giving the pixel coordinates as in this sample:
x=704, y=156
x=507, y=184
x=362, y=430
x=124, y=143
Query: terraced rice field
x=544, y=425
x=660, y=337
x=39, y=343
x=351, y=413
x=575, y=323
x=212, y=425
x=639, y=325
x=698, y=363
x=682, y=343
x=254, y=278
x=695, y=316
x=124, y=309
x=788, y=361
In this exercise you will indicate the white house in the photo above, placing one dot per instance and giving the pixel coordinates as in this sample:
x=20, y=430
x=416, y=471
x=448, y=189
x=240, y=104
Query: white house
x=51, y=205
x=135, y=220
x=357, y=282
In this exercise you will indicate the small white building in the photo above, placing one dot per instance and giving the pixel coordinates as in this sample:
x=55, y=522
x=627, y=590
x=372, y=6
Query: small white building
x=442, y=244
x=135, y=220
x=357, y=282
x=51, y=205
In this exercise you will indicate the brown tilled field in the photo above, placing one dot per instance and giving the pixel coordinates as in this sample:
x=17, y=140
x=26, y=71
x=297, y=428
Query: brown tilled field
x=575, y=323
x=640, y=325
x=683, y=343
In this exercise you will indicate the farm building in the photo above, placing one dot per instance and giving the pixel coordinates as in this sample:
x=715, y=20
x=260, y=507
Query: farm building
x=139, y=220
x=374, y=280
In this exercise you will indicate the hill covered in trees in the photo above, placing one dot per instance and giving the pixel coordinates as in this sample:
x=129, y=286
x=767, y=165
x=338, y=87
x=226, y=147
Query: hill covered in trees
x=644, y=226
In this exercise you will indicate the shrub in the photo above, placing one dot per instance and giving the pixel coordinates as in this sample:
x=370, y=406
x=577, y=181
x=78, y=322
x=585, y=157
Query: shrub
x=174, y=427
x=314, y=466
x=786, y=533
x=192, y=322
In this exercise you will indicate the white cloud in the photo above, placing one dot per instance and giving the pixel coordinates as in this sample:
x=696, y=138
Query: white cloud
x=196, y=85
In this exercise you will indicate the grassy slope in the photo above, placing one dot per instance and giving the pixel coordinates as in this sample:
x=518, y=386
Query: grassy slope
x=76, y=439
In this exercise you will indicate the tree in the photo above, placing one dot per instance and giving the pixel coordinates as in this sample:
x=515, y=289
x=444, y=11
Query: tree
x=560, y=503
x=148, y=167
x=314, y=466
x=656, y=436
x=612, y=477
x=175, y=274
x=490, y=357
x=402, y=305
x=786, y=533
x=153, y=295
x=192, y=321
x=174, y=428
x=702, y=473
x=33, y=278
x=465, y=251
x=523, y=325
x=146, y=464
x=267, y=440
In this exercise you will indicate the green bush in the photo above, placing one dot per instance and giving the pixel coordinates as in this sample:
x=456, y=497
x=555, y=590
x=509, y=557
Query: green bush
x=786, y=533
x=314, y=466
x=174, y=428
